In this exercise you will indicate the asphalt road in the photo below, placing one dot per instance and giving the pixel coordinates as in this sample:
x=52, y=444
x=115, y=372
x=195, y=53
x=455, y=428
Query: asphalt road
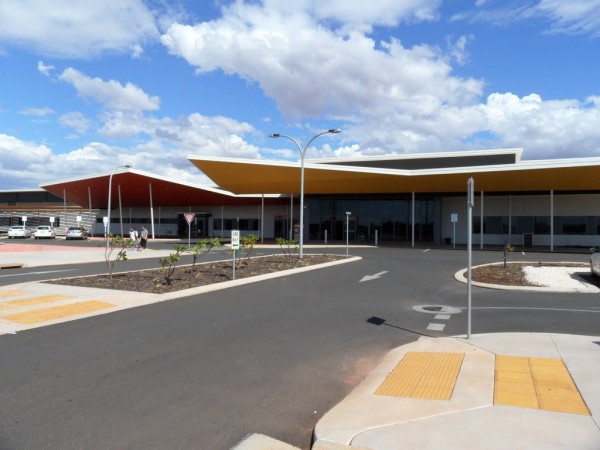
x=270, y=357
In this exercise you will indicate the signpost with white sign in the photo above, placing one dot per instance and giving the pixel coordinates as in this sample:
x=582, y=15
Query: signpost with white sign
x=189, y=218
x=470, y=204
x=235, y=245
x=454, y=219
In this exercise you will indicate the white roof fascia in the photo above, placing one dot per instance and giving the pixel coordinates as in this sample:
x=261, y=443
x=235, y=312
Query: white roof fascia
x=518, y=152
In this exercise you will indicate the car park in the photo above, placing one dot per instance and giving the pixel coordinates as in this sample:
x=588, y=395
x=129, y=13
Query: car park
x=19, y=231
x=76, y=233
x=595, y=261
x=44, y=231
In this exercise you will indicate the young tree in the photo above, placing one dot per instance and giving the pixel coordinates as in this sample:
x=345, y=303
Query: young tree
x=115, y=242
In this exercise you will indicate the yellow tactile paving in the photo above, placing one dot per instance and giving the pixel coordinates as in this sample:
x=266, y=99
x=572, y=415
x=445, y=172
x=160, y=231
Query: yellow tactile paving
x=425, y=375
x=6, y=294
x=31, y=301
x=539, y=383
x=57, y=312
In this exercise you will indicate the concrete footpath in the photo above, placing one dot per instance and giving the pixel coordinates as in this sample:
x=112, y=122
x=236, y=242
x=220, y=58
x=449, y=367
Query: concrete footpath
x=492, y=391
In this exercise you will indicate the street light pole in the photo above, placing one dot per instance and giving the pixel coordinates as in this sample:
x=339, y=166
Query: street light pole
x=302, y=153
x=127, y=166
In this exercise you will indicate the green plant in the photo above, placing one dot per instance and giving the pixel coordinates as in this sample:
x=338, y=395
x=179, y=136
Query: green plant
x=197, y=250
x=114, y=242
x=287, y=245
x=169, y=264
x=507, y=249
x=247, y=244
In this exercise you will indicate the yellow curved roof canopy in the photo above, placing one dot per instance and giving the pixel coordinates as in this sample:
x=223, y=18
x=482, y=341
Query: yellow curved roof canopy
x=252, y=177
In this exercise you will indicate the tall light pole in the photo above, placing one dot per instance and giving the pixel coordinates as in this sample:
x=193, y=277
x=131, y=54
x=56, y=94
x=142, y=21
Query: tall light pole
x=127, y=166
x=302, y=153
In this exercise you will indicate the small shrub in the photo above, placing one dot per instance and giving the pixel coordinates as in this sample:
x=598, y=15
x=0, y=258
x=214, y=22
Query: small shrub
x=287, y=246
x=206, y=245
x=169, y=264
x=507, y=249
x=247, y=244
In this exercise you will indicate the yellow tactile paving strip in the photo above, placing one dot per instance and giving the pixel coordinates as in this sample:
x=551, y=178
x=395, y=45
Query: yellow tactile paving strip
x=425, y=375
x=57, y=312
x=12, y=293
x=31, y=301
x=539, y=383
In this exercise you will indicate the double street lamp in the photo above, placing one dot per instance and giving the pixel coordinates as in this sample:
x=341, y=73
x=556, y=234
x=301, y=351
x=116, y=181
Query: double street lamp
x=302, y=153
x=127, y=166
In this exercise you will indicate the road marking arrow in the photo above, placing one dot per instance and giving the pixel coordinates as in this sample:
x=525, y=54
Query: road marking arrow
x=372, y=277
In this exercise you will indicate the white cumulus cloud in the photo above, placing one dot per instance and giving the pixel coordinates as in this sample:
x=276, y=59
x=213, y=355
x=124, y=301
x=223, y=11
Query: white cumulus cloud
x=76, y=29
x=111, y=94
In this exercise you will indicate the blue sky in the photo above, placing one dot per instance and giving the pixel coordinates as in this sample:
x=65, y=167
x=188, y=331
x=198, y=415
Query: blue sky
x=91, y=85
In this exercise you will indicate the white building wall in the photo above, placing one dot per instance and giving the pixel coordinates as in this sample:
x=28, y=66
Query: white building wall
x=528, y=205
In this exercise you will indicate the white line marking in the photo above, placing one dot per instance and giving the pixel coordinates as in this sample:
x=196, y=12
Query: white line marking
x=536, y=309
x=426, y=250
x=442, y=317
x=37, y=273
x=436, y=326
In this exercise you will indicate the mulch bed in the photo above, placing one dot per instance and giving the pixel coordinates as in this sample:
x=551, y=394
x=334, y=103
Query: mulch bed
x=512, y=274
x=186, y=277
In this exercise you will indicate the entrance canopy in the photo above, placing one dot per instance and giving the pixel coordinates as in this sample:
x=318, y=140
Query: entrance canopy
x=252, y=176
x=136, y=187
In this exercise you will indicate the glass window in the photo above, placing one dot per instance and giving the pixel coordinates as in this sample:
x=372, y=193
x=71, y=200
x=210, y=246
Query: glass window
x=574, y=225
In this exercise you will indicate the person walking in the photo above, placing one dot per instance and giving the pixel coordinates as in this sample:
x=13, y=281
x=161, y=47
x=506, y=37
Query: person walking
x=133, y=237
x=143, y=237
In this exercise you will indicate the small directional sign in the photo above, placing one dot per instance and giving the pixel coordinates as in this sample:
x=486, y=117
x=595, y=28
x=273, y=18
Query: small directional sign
x=372, y=277
x=235, y=239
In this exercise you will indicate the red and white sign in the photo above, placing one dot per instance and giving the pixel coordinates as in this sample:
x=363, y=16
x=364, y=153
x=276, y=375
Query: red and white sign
x=189, y=217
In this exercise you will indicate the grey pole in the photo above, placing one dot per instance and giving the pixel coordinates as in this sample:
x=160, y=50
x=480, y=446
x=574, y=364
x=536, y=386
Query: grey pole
x=470, y=202
x=302, y=153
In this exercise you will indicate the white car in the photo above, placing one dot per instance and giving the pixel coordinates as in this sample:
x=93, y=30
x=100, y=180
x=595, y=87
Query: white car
x=19, y=231
x=595, y=261
x=44, y=231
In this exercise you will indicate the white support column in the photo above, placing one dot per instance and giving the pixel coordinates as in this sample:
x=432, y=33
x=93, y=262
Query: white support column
x=92, y=223
x=160, y=233
x=552, y=220
x=262, y=218
x=481, y=224
x=120, y=211
x=151, y=210
x=509, y=220
x=65, y=204
x=413, y=220
x=291, y=216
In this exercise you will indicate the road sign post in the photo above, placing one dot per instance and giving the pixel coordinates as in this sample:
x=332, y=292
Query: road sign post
x=235, y=245
x=189, y=217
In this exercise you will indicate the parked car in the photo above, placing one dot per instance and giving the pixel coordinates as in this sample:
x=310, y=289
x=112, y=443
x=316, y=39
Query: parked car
x=19, y=231
x=76, y=233
x=44, y=231
x=595, y=261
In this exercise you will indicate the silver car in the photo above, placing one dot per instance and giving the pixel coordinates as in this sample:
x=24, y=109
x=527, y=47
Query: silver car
x=19, y=231
x=76, y=233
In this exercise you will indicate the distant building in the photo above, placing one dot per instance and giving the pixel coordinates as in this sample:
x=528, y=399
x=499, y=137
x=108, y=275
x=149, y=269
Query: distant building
x=418, y=198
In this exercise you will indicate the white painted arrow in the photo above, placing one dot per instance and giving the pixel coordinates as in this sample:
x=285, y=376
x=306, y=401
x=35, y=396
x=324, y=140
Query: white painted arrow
x=372, y=277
